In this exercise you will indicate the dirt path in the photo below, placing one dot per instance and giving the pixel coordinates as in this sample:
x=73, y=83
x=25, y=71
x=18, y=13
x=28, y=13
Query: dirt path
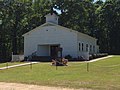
x=16, y=86
x=18, y=65
x=100, y=58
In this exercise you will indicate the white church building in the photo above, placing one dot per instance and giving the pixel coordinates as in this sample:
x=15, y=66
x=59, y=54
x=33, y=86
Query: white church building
x=43, y=40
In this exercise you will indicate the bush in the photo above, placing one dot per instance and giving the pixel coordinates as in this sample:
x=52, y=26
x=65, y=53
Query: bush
x=94, y=56
x=68, y=57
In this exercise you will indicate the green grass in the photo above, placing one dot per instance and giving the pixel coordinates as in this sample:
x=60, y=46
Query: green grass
x=102, y=75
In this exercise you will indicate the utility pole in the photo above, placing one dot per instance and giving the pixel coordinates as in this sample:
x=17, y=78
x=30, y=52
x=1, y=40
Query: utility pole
x=0, y=39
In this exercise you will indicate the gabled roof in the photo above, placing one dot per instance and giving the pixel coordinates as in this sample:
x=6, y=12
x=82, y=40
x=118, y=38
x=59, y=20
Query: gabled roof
x=52, y=24
x=45, y=24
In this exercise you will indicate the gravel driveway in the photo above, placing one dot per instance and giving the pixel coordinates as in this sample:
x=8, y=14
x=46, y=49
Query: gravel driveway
x=16, y=86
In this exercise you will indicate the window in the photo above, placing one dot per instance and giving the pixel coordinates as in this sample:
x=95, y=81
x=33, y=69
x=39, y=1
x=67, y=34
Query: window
x=90, y=48
x=82, y=46
x=86, y=47
x=79, y=46
x=93, y=48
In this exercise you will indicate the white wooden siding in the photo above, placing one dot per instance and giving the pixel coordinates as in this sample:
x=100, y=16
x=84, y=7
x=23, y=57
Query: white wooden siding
x=85, y=39
x=67, y=39
x=51, y=35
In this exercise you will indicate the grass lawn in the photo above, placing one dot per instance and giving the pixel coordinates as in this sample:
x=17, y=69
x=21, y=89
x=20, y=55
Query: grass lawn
x=102, y=75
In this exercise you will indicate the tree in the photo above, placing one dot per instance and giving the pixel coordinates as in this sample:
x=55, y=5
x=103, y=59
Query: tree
x=98, y=19
x=75, y=14
x=108, y=18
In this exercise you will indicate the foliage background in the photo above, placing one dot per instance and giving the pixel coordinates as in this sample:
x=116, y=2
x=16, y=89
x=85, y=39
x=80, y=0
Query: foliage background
x=98, y=19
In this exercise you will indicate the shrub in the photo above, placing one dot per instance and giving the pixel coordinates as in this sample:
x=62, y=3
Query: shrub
x=68, y=57
x=94, y=56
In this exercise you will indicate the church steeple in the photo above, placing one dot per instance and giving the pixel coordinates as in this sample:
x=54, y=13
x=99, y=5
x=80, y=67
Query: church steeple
x=52, y=17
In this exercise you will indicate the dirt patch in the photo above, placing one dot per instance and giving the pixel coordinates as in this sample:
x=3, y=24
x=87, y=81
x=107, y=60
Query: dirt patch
x=16, y=86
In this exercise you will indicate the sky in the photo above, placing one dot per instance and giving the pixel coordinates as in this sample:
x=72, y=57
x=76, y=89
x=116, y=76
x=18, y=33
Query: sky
x=59, y=12
x=102, y=0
